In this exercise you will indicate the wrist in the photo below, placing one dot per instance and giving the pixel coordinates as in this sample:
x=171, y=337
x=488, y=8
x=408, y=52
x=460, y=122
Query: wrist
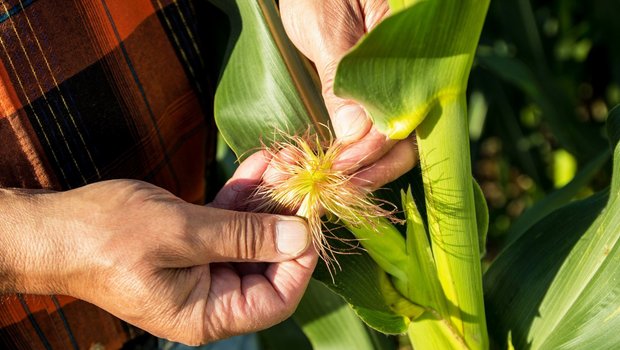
x=33, y=244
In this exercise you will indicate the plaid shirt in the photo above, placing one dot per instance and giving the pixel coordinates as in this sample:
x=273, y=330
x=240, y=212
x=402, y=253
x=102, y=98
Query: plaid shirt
x=93, y=90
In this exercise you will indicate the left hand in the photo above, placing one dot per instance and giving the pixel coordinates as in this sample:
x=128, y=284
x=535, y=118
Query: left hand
x=180, y=271
x=328, y=30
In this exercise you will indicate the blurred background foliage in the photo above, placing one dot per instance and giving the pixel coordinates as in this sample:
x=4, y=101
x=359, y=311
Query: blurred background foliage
x=546, y=74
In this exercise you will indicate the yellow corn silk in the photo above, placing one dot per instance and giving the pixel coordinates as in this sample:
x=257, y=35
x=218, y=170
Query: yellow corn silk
x=302, y=178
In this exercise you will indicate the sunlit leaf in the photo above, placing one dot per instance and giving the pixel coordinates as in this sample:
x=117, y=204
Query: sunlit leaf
x=401, y=69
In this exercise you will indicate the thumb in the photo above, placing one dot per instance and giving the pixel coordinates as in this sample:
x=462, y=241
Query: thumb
x=230, y=236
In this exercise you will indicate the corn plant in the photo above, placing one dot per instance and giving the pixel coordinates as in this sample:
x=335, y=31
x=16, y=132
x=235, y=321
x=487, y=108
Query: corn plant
x=411, y=73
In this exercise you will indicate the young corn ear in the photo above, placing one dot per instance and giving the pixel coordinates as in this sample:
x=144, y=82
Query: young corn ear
x=302, y=178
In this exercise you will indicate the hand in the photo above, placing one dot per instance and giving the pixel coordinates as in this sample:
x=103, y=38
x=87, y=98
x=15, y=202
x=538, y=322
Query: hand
x=175, y=269
x=328, y=30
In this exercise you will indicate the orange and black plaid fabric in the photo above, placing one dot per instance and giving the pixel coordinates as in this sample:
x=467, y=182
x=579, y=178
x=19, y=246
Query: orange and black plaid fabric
x=93, y=90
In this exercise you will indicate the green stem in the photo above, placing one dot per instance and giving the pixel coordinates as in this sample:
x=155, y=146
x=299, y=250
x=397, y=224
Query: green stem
x=445, y=159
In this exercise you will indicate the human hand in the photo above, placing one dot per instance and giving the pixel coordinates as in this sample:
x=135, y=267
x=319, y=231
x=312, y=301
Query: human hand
x=324, y=30
x=177, y=270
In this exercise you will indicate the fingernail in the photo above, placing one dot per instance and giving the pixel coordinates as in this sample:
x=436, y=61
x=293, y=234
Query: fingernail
x=292, y=236
x=350, y=123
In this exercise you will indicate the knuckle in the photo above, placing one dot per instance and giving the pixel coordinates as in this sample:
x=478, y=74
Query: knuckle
x=247, y=233
x=287, y=311
x=172, y=225
x=216, y=327
x=328, y=83
x=178, y=218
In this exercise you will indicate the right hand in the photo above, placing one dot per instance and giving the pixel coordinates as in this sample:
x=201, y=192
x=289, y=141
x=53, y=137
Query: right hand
x=155, y=261
x=329, y=29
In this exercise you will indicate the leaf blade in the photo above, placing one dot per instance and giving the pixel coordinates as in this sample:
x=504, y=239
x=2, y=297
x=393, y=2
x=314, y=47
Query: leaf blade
x=439, y=57
x=569, y=261
x=264, y=70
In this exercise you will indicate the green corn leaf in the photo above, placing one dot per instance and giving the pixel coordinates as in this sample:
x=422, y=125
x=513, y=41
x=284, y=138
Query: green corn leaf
x=482, y=217
x=557, y=286
x=331, y=324
x=361, y=282
x=396, y=300
x=430, y=330
x=435, y=333
x=384, y=244
x=422, y=286
x=266, y=87
x=400, y=70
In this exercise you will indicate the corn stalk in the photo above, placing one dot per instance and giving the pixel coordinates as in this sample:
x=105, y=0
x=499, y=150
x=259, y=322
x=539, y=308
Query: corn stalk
x=444, y=151
x=419, y=83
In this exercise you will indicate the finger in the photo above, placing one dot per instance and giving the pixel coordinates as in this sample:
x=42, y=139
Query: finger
x=287, y=277
x=237, y=190
x=349, y=119
x=329, y=30
x=399, y=160
x=375, y=11
x=217, y=235
x=274, y=172
x=368, y=150
x=250, y=303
